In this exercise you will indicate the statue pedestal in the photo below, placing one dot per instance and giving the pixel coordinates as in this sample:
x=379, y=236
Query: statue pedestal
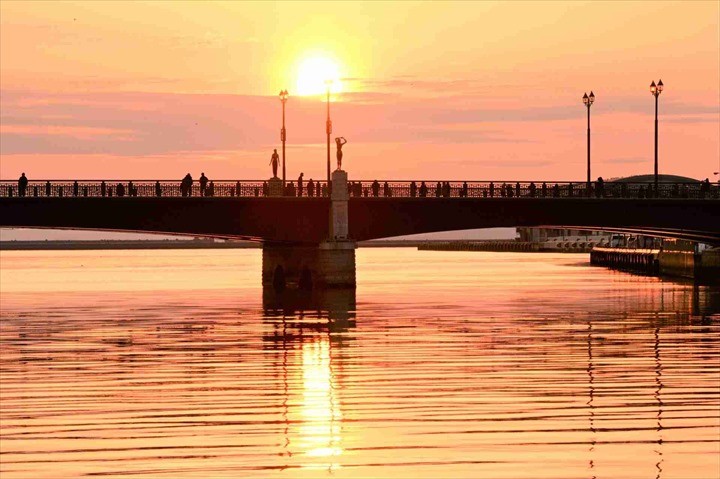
x=339, y=208
x=275, y=186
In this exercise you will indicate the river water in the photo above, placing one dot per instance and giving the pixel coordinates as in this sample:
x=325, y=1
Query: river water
x=442, y=364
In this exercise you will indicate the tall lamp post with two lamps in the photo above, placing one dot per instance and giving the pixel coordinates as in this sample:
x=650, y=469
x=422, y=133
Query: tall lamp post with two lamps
x=283, y=132
x=655, y=90
x=328, y=130
x=588, y=100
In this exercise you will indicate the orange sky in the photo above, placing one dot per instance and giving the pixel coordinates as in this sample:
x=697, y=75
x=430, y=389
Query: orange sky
x=430, y=90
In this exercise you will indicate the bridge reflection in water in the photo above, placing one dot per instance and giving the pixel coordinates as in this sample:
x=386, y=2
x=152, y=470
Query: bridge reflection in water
x=307, y=333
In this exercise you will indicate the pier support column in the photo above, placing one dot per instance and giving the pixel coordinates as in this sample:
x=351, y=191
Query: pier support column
x=328, y=265
x=331, y=264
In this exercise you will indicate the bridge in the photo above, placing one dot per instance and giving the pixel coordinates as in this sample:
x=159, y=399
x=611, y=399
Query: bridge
x=302, y=223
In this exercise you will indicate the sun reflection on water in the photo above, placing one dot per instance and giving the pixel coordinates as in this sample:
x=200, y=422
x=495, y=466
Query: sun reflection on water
x=321, y=427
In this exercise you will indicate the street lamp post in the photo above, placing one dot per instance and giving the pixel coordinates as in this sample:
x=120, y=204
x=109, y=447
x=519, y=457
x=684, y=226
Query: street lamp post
x=588, y=101
x=328, y=130
x=283, y=132
x=655, y=90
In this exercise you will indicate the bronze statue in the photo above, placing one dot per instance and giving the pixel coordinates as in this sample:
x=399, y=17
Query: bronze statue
x=340, y=141
x=274, y=159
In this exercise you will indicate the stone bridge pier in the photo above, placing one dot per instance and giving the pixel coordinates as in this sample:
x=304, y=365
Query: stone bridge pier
x=330, y=264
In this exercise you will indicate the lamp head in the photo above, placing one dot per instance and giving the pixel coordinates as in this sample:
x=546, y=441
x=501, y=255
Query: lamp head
x=591, y=98
x=660, y=86
x=585, y=99
x=653, y=88
x=283, y=95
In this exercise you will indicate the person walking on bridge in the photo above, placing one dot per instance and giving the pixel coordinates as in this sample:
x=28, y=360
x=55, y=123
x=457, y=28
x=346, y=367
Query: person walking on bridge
x=600, y=187
x=311, y=188
x=423, y=190
x=300, y=184
x=203, y=184
x=22, y=185
x=186, y=185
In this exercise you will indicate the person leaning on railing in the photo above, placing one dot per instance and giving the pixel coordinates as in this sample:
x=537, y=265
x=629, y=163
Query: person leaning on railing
x=22, y=185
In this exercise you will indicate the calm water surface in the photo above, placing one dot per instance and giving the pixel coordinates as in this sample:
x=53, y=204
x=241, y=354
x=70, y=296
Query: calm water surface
x=441, y=364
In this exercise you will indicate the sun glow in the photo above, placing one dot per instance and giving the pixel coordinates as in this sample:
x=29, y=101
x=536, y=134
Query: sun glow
x=313, y=75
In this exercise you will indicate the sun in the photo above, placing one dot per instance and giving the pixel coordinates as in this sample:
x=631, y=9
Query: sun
x=314, y=72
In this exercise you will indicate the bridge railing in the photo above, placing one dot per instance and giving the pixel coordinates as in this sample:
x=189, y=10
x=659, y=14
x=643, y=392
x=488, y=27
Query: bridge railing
x=530, y=189
x=363, y=188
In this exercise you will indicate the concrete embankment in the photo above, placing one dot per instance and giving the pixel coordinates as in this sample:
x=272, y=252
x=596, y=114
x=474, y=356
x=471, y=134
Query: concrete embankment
x=703, y=266
x=636, y=260
x=518, y=246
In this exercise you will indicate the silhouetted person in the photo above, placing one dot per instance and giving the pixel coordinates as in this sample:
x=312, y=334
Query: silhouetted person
x=311, y=188
x=543, y=189
x=532, y=189
x=211, y=189
x=203, y=184
x=600, y=187
x=465, y=189
x=103, y=188
x=274, y=159
x=556, y=191
x=375, y=188
x=358, y=189
x=413, y=189
x=158, y=189
x=48, y=188
x=318, y=190
x=423, y=190
x=503, y=190
x=517, y=189
x=186, y=185
x=265, y=189
x=570, y=190
x=76, y=187
x=386, y=190
x=238, y=187
x=492, y=189
x=324, y=189
x=131, y=189
x=339, y=142
x=120, y=188
x=300, y=184
x=704, y=187
x=438, y=190
x=22, y=185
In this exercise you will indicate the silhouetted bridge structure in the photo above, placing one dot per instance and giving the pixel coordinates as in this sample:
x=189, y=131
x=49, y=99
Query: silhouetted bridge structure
x=242, y=209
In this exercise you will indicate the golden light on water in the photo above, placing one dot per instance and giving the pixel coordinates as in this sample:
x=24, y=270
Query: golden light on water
x=313, y=74
x=320, y=410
